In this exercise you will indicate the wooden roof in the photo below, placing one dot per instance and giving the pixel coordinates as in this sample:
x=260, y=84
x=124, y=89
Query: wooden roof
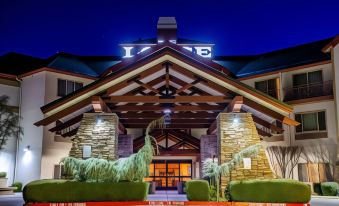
x=139, y=89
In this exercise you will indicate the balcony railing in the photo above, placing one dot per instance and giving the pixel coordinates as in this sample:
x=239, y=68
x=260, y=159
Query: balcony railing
x=309, y=91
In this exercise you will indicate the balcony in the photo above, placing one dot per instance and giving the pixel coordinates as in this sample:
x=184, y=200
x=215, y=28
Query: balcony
x=309, y=91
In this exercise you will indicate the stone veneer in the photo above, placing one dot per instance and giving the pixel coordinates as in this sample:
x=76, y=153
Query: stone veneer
x=208, y=148
x=100, y=131
x=236, y=136
x=125, y=146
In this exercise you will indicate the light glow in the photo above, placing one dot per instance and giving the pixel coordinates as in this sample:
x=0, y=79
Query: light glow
x=144, y=49
x=247, y=163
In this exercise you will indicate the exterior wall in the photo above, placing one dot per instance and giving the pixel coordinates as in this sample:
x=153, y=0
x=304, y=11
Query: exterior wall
x=53, y=151
x=335, y=67
x=327, y=105
x=236, y=136
x=33, y=93
x=7, y=154
x=101, y=135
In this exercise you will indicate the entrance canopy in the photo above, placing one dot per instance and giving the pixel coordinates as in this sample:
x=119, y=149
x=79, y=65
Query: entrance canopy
x=167, y=77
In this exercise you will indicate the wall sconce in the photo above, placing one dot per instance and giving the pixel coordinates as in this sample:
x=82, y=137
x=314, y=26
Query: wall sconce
x=235, y=119
x=27, y=148
x=86, y=151
x=98, y=120
x=247, y=163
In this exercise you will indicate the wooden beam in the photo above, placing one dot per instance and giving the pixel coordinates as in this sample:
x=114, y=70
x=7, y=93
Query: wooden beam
x=270, y=113
x=175, y=108
x=146, y=86
x=99, y=105
x=170, y=126
x=173, y=99
x=66, y=124
x=167, y=80
x=181, y=115
x=263, y=133
x=266, y=124
x=236, y=104
x=173, y=121
x=188, y=85
x=54, y=117
x=179, y=152
x=213, y=128
x=70, y=133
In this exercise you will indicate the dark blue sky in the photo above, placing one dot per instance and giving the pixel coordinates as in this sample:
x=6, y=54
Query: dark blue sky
x=237, y=27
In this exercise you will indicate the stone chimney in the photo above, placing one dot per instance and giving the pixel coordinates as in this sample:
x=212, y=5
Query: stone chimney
x=167, y=29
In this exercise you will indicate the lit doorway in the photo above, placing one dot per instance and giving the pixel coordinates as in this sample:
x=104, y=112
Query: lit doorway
x=168, y=173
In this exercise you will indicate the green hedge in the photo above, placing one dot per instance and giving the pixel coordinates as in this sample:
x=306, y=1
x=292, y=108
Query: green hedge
x=270, y=191
x=18, y=186
x=329, y=188
x=3, y=174
x=197, y=190
x=72, y=191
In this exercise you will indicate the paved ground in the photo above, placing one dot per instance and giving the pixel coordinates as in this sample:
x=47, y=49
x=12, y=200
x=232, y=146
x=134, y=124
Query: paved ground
x=16, y=200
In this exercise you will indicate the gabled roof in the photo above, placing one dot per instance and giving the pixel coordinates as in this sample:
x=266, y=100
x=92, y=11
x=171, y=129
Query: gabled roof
x=92, y=66
x=172, y=53
x=244, y=66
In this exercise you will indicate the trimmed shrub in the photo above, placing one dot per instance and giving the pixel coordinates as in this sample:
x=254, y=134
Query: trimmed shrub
x=329, y=188
x=270, y=191
x=53, y=191
x=197, y=190
x=18, y=186
x=3, y=174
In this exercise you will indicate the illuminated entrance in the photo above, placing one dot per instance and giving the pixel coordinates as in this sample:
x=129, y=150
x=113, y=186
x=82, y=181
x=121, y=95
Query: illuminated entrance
x=168, y=173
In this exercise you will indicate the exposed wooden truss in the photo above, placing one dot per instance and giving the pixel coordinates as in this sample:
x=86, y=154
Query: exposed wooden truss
x=181, y=139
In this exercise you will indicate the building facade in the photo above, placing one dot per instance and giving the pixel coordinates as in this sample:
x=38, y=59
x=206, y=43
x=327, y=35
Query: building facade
x=303, y=77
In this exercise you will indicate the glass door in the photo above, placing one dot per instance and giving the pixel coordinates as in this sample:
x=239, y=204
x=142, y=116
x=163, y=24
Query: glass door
x=168, y=173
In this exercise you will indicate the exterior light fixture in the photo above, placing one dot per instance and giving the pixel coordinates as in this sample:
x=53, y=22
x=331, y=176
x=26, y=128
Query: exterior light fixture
x=167, y=116
x=247, y=163
x=236, y=120
x=98, y=120
x=27, y=148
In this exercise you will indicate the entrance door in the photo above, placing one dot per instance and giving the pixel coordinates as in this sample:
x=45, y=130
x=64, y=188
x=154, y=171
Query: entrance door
x=168, y=173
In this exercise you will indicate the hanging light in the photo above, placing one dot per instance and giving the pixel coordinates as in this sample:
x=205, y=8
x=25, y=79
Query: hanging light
x=167, y=116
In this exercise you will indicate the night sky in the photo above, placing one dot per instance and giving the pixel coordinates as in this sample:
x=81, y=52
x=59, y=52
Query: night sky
x=237, y=27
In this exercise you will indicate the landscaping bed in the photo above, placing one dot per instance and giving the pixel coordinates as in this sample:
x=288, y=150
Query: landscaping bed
x=58, y=191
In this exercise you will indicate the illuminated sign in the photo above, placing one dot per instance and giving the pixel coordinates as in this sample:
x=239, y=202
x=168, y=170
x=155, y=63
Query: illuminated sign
x=204, y=51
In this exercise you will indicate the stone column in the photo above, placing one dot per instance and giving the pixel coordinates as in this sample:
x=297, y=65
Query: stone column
x=237, y=131
x=100, y=132
x=208, y=148
x=125, y=145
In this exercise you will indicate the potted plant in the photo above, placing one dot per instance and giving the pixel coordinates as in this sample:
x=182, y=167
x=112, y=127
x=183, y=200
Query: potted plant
x=3, y=179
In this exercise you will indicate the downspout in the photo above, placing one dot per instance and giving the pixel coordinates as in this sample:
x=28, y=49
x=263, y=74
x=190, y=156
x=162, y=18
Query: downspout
x=18, y=137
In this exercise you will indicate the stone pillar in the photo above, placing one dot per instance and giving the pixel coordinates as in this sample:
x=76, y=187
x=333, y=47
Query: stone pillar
x=100, y=131
x=125, y=145
x=208, y=149
x=236, y=135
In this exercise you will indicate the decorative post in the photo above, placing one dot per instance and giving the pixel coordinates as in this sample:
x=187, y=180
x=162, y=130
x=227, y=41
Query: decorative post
x=237, y=131
x=98, y=134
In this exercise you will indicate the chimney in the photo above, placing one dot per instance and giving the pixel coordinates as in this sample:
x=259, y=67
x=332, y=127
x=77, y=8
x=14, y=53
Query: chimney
x=167, y=29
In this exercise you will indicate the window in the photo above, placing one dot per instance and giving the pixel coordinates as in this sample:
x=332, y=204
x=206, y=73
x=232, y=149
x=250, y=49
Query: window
x=307, y=78
x=315, y=121
x=66, y=86
x=268, y=86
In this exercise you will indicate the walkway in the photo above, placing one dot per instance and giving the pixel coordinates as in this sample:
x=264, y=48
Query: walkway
x=167, y=195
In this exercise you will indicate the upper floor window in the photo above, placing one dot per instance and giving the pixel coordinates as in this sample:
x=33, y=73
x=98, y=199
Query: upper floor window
x=311, y=122
x=308, y=78
x=268, y=86
x=66, y=86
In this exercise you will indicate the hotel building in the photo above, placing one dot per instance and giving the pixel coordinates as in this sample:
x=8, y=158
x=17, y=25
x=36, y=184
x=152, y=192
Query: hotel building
x=201, y=90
